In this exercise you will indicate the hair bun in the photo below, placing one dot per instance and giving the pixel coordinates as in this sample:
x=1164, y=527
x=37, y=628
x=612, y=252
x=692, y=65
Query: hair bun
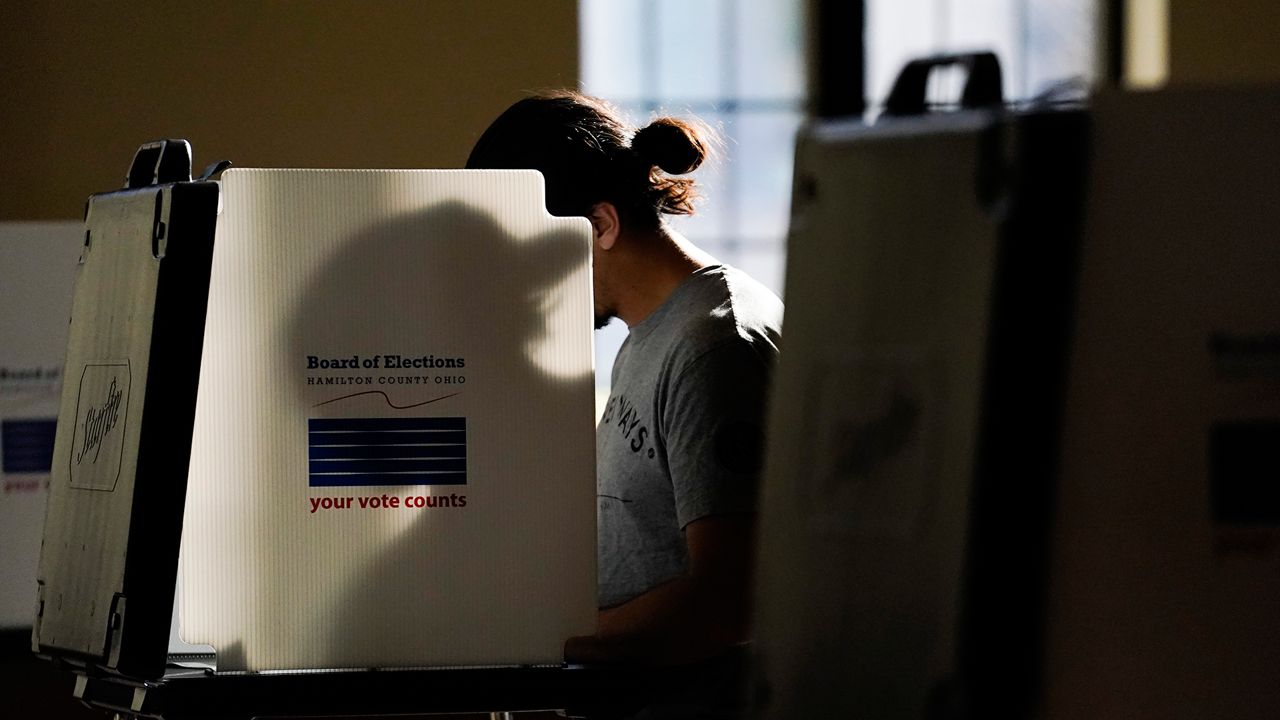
x=671, y=144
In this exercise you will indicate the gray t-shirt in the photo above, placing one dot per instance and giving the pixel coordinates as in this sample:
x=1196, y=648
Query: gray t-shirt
x=682, y=435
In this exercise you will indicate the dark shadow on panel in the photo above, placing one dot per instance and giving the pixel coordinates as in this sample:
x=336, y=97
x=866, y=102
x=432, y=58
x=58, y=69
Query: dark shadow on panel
x=505, y=281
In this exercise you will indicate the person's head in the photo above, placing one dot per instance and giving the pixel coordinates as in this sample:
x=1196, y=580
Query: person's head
x=589, y=155
x=595, y=166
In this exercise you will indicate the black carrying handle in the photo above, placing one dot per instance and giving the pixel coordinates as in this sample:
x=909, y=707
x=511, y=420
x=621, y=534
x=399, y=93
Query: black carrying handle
x=160, y=163
x=982, y=87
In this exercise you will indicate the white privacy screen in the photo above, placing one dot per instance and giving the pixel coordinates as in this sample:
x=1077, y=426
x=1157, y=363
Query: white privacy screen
x=394, y=455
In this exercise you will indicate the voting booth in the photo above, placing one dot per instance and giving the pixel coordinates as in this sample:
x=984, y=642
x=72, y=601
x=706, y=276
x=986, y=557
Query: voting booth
x=412, y=351
x=930, y=278
x=346, y=417
x=1022, y=456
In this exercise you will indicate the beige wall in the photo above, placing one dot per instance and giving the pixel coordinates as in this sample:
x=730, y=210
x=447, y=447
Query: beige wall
x=266, y=84
x=1214, y=41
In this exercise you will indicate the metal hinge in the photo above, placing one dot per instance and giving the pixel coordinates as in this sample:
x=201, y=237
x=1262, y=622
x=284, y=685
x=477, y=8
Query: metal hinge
x=35, y=630
x=115, y=630
x=160, y=225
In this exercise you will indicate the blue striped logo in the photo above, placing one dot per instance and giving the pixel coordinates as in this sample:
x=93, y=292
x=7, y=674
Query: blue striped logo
x=27, y=445
x=343, y=452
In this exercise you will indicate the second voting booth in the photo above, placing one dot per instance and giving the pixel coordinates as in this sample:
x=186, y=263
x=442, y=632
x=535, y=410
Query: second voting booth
x=1023, y=446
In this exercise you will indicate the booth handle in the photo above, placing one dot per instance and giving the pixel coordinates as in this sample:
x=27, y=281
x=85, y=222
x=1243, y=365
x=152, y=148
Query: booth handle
x=982, y=87
x=160, y=163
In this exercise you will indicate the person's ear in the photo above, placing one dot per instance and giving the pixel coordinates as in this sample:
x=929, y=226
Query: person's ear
x=605, y=225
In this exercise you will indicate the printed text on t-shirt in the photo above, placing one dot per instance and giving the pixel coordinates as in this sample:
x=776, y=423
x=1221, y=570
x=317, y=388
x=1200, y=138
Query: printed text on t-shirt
x=622, y=414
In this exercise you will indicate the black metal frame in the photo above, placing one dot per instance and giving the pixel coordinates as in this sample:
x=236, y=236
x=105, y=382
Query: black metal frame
x=193, y=694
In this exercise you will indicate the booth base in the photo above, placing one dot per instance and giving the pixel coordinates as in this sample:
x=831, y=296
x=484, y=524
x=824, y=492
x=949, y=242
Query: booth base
x=188, y=693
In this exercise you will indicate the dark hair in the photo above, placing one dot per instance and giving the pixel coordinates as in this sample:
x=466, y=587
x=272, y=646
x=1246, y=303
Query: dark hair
x=587, y=154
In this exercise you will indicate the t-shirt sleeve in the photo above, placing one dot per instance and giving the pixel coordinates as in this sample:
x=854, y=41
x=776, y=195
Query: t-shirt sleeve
x=714, y=430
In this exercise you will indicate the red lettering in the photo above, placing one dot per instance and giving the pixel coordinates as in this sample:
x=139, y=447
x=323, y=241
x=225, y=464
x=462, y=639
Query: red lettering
x=329, y=503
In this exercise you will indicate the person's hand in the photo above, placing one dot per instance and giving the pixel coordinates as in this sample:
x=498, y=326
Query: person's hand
x=587, y=650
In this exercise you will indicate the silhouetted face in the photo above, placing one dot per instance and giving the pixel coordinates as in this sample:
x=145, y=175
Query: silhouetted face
x=599, y=288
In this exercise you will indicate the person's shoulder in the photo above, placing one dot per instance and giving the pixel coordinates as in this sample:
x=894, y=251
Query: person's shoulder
x=754, y=308
x=729, y=308
x=734, y=303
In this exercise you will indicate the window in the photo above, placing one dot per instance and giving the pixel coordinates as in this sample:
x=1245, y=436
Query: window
x=1038, y=42
x=737, y=65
